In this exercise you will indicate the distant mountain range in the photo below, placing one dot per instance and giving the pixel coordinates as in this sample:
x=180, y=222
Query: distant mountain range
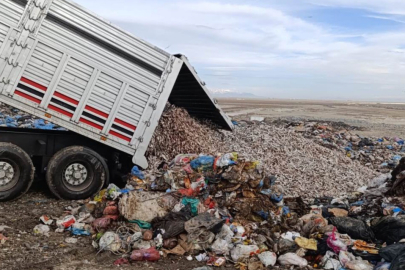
x=229, y=93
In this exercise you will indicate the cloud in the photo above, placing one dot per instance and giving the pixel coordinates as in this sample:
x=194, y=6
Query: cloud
x=267, y=50
x=396, y=7
x=387, y=18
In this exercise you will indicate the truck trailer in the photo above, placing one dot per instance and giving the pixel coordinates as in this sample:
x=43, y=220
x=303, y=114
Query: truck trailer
x=62, y=63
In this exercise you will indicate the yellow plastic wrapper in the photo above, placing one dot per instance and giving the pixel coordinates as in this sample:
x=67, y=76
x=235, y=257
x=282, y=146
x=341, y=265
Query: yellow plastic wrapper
x=99, y=197
x=251, y=165
x=306, y=243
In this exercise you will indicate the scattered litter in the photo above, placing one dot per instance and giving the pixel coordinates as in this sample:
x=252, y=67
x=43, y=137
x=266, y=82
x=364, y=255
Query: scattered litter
x=42, y=230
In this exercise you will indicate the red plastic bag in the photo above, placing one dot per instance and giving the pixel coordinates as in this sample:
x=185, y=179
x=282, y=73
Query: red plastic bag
x=150, y=254
x=111, y=210
x=101, y=223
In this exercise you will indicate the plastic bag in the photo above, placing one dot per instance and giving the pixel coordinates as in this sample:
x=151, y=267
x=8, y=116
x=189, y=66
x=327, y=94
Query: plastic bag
x=285, y=245
x=110, y=241
x=355, y=228
x=40, y=124
x=142, y=224
x=220, y=247
x=243, y=252
x=150, y=255
x=383, y=266
x=335, y=243
x=329, y=262
x=389, y=229
x=183, y=159
x=399, y=262
x=359, y=265
x=203, y=163
x=303, y=242
x=290, y=235
x=113, y=192
x=193, y=202
x=101, y=223
x=268, y=258
x=389, y=253
x=226, y=160
x=292, y=259
x=42, y=230
x=137, y=173
x=345, y=256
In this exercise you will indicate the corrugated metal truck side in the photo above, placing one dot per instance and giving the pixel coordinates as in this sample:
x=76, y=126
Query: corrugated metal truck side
x=60, y=62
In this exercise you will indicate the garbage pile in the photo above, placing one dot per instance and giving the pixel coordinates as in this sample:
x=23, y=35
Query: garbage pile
x=178, y=132
x=14, y=118
x=302, y=166
x=225, y=209
x=381, y=154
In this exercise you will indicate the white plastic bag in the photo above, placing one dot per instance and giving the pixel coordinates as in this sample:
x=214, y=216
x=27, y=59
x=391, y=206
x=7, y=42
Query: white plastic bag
x=292, y=259
x=42, y=230
x=345, y=257
x=268, y=258
x=359, y=265
x=290, y=236
x=110, y=241
x=242, y=251
x=329, y=262
x=220, y=246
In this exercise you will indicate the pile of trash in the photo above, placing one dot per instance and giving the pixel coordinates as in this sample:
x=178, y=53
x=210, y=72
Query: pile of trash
x=14, y=118
x=303, y=167
x=225, y=209
x=178, y=132
x=381, y=154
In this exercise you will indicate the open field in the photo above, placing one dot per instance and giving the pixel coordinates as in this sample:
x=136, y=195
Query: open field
x=377, y=119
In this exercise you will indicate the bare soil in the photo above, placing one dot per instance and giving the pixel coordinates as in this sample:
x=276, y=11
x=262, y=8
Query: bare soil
x=374, y=119
x=25, y=250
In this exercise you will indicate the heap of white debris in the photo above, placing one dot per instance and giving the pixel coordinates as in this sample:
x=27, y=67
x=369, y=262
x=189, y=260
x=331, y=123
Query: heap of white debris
x=303, y=167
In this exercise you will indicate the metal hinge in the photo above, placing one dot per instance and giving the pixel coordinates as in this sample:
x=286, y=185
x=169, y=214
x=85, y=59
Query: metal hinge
x=38, y=5
x=140, y=139
x=11, y=63
x=19, y=44
x=147, y=123
x=153, y=106
x=5, y=81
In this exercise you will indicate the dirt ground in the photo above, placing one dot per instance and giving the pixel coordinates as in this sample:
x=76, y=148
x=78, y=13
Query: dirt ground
x=375, y=119
x=25, y=250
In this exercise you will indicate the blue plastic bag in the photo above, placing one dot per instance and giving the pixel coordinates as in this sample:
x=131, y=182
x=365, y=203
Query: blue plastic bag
x=138, y=173
x=203, y=163
x=76, y=231
x=40, y=124
x=276, y=198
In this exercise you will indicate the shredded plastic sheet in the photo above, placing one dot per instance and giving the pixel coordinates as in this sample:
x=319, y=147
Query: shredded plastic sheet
x=303, y=167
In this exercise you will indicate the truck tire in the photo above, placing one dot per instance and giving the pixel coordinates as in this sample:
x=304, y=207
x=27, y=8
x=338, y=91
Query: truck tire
x=76, y=173
x=16, y=172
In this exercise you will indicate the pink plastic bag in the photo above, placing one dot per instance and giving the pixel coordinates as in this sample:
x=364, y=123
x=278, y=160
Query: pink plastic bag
x=335, y=243
x=150, y=254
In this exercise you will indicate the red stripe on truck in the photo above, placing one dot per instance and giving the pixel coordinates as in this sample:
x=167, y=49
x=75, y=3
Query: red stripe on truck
x=59, y=110
x=125, y=124
x=116, y=134
x=91, y=109
x=68, y=99
x=21, y=94
x=37, y=85
x=90, y=123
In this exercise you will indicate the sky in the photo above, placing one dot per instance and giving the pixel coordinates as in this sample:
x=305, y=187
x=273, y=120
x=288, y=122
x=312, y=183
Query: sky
x=294, y=49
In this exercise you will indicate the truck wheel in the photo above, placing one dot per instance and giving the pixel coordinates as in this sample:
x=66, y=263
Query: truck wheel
x=16, y=172
x=76, y=173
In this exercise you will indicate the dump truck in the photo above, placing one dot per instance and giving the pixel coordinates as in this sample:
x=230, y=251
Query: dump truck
x=64, y=64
